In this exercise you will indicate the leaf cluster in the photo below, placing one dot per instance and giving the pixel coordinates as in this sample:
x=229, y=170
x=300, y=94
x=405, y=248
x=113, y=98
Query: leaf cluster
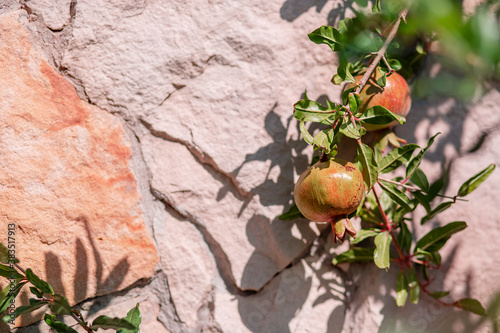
x=386, y=211
x=44, y=297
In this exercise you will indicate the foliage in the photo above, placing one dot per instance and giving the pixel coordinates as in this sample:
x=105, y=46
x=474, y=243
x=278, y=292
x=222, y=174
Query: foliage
x=44, y=297
x=370, y=41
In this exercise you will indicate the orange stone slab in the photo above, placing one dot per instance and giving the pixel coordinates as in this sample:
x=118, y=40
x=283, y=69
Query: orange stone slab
x=65, y=180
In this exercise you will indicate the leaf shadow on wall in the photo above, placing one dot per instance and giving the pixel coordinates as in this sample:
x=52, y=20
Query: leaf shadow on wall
x=276, y=299
x=292, y=9
x=53, y=271
x=273, y=308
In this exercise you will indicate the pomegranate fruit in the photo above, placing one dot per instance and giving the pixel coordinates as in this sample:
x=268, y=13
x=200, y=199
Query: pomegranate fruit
x=395, y=96
x=328, y=191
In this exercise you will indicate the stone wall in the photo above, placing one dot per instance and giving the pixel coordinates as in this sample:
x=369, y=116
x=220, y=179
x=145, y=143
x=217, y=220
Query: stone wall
x=147, y=148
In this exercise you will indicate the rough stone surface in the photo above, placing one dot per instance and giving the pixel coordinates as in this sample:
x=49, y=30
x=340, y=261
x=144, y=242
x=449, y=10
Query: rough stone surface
x=206, y=90
x=65, y=179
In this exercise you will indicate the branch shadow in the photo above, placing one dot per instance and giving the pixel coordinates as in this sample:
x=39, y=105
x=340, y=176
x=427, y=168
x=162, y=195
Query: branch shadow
x=293, y=9
x=81, y=278
x=261, y=309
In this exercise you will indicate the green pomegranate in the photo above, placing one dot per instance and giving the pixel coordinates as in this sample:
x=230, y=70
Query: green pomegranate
x=395, y=96
x=328, y=191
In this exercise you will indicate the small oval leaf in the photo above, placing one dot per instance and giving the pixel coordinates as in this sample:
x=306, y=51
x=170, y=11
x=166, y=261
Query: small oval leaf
x=381, y=255
x=292, y=214
x=354, y=255
x=439, y=209
x=473, y=183
x=436, y=238
x=402, y=289
x=364, y=234
x=105, y=322
x=39, y=283
x=472, y=305
x=60, y=305
x=59, y=326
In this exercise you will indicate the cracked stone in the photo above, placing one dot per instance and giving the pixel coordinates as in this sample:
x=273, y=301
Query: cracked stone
x=65, y=180
x=56, y=13
x=250, y=229
x=307, y=297
x=188, y=264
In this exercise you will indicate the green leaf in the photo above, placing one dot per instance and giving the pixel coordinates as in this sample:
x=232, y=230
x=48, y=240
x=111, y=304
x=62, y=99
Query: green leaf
x=337, y=80
x=435, y=188
x=414, y=286
x=378, y=115
x=382, y=80
x=23, y=309
x=292, y=214
x=436, y=258
x=342, y=25
x=6, y=296
x=364, y=234
x=369, y=217
x=381, y=255
x=395, y=64
x=415, y=161
x=60, y=305
x=354, y=255
x=436, y=238
x=399, y=213
x=471, y=184
x=439, y=294
x=396, y=158
x=439, y=209
x=9, y=272
x=402, y=289
x=397, y=195
x=472, y=305
x=59, y=326
x=305, y=133
x=327, y=35
x=423, y=200
x=105, y=322
x=353, y=102
x=133, y=317
x=420, y=179
x=344, y=71
x=309, y=110
x=39, y=283
x=415, y=294
x=36, y=292
x=324, y=140
x=367, y=160
x=350, y=130
x=404, y=237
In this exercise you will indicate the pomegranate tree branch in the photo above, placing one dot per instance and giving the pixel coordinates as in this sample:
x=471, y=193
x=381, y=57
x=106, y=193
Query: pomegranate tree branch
x=382, y=50
x=389, y=227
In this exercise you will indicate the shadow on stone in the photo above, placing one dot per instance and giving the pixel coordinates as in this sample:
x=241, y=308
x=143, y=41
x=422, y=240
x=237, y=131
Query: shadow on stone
x=277, y=303
x=292, y=9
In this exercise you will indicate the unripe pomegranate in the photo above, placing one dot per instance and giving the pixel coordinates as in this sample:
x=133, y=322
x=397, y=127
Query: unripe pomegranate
x=328, y=191
x=395, y=96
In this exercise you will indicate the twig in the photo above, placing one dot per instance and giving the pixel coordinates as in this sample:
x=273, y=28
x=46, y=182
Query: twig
x=389, y=227
x=413, y=188
x=382, y=50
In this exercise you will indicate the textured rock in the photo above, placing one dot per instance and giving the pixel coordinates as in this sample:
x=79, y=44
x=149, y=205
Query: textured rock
x=308, y=297
x=65, y=179
x=206, y=89
x=170, y=81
